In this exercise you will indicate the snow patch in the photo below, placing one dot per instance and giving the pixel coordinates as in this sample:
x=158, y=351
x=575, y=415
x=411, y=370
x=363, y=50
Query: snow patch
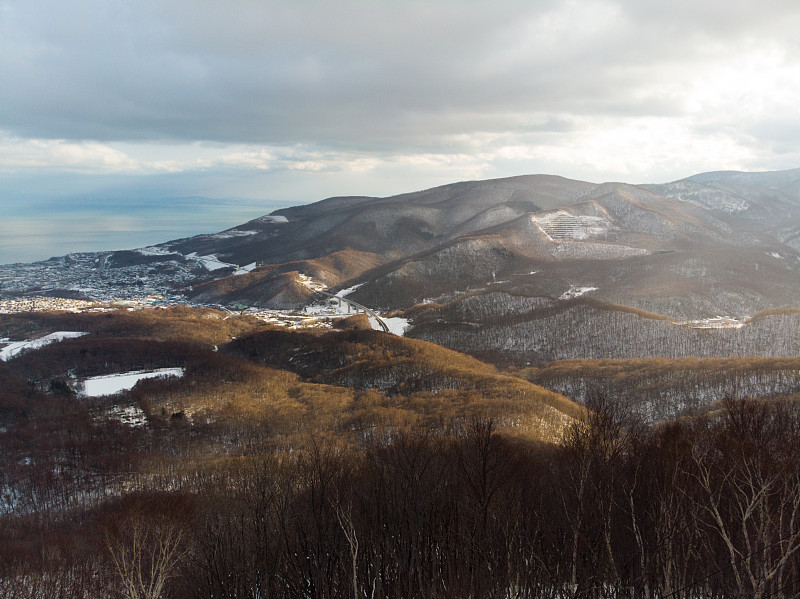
x=210, y=262
x=14, y=348
x=718, y=322
x=155, y=250
x=561, y=225
x=231, y=234
x=273, y=219
x=311, y=284
x=97, y=386
x=704, y=196
x=570, y=250
x=576, y=292
x=130, y=415
x=348, y=291
x=397, y=326
x=245, y=269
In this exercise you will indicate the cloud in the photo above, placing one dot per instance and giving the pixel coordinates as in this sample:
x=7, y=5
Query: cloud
x=354, y=86
x=17, y=153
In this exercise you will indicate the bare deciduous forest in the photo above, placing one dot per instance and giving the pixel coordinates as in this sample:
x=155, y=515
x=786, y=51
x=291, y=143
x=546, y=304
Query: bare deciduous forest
x=297, y=465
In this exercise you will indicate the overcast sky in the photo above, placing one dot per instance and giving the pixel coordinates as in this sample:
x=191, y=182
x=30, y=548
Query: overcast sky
x=297, y=100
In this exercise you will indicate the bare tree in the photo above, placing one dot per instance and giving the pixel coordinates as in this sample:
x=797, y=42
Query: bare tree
x=145, y=555
x=593, y=449
x=747, y=474
x=344, y=515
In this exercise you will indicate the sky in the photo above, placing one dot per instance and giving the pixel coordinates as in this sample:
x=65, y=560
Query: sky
x=257, y=104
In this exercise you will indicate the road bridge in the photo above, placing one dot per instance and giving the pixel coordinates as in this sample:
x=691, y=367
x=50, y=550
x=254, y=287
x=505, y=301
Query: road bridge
x=359, y=308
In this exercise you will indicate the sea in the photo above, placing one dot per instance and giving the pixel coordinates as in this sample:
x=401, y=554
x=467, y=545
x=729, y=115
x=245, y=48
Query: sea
x=38, y=229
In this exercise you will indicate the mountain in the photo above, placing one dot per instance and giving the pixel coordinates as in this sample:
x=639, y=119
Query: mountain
x=473, y=264
x=339, y=238
x=713, y=243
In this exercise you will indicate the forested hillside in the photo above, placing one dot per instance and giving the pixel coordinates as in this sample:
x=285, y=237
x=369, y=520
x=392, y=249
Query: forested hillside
x=356, y=463
x=659, y=389
x=534, y=331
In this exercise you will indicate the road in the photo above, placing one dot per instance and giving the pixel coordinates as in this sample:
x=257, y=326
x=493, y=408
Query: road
x=358, y=307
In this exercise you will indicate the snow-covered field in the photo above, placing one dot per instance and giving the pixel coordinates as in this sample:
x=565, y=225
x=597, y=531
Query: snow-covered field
x=97, y=386
x=15, y=347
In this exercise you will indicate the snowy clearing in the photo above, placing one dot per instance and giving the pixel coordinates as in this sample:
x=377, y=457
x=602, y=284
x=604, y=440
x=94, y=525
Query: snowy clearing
x=210, y=262
x=397, y=326
x=245, y=269
x=576, y=292
x=15, y=347
x=155, y=250
x=562, y=225
x=274, y=219
x=349, y=290
x=97, y=386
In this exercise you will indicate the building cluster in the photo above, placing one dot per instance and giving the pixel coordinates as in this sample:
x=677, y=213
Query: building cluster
x=292, y=320
x=94, y=286
x=46, y=304
x=86, y=276
x=39, y=304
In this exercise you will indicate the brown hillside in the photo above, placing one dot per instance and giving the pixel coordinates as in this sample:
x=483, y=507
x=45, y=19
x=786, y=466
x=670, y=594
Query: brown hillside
x=279, y=387
x=195, y=325
x=396, y=366
x=278, y=285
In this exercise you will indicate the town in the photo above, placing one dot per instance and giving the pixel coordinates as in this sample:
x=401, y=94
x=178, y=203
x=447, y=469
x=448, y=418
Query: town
x=82, y=283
